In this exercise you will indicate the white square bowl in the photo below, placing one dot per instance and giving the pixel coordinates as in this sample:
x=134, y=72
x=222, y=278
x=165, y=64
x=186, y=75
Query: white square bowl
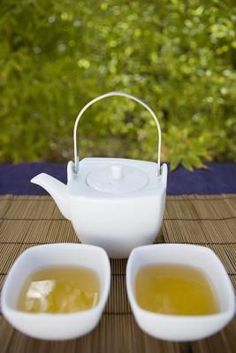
x=178, y=327
x=55, y=326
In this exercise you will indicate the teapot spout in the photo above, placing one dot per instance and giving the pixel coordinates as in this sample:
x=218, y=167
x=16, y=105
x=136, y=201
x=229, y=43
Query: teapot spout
x=56, y=189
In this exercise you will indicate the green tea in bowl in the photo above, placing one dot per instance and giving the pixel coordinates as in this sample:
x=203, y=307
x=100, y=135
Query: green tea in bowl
x=179, y=292
x=59, y=289
x=175, y=289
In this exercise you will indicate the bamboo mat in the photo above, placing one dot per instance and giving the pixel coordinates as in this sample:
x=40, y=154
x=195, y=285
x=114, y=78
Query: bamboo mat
x=207, y=220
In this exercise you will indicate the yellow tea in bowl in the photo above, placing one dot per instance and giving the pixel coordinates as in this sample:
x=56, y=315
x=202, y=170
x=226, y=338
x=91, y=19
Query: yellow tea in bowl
x=59, y=290
x=175, y=289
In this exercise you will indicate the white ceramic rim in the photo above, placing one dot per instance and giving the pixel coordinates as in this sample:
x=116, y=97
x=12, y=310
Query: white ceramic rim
x=47, y=316
x=138, y=310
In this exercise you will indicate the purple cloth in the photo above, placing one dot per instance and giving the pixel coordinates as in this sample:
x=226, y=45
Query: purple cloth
x=218, y=178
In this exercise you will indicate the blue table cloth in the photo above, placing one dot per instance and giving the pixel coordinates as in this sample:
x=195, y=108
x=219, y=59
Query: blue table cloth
x=217, y=178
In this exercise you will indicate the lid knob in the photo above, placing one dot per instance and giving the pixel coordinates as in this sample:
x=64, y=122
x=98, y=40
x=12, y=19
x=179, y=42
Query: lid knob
x=117, y=171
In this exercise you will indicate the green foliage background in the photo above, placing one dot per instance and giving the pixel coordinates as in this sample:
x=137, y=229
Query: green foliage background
x=179, y=56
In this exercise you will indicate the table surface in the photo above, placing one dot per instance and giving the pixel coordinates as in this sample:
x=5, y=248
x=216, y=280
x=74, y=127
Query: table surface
x=217, y=178
x=210, y=221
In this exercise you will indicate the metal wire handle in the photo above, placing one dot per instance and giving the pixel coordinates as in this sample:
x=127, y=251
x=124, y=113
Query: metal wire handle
x=106, y=95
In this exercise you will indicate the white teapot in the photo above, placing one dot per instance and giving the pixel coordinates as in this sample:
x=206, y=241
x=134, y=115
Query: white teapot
x=114, y=203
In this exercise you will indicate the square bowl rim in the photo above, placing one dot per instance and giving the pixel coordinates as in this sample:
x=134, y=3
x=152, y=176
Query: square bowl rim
x=104, y=290
x=138, y=310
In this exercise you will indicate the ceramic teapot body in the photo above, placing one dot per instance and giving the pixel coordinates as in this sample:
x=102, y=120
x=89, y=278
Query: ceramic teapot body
x=114, y=203
x=121, y=222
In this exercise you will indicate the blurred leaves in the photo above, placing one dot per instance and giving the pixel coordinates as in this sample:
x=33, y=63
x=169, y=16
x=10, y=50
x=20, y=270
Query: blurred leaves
x=180, y=57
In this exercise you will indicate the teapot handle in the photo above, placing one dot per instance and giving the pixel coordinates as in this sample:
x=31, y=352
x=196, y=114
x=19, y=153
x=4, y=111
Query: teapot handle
x=106, y=95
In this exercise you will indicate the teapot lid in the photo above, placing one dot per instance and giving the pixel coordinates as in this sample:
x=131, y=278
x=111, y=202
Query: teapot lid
x=117, y=178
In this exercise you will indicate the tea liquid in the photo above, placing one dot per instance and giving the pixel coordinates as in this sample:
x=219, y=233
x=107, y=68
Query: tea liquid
x=59, y=290
x=175, y=289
